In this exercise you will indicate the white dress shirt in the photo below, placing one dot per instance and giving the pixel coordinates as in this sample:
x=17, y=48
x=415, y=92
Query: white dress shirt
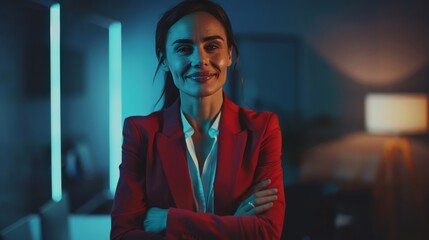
x=202, y=186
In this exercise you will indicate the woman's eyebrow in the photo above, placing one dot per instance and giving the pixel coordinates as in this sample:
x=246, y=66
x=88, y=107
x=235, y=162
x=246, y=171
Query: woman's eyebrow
x=214, y=37
x=187, y=41
x=205, y=39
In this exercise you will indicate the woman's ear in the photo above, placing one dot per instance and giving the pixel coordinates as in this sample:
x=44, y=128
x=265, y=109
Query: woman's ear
x=163, y=63
x=229, y=56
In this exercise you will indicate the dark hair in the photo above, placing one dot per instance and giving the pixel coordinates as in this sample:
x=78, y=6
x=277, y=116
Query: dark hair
x=169, y=18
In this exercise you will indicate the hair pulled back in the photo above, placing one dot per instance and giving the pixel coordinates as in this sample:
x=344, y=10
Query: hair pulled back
x=168, y=19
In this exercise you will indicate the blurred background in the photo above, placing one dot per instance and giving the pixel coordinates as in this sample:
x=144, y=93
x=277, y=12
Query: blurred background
x=314, y=63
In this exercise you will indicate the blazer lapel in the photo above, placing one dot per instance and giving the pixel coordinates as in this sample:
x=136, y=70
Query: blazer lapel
x=232, y=143
x=171, y=149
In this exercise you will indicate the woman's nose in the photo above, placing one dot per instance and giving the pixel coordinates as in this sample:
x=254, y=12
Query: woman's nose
x=199, y=58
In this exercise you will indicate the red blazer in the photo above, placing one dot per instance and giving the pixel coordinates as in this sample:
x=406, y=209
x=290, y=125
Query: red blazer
x=154, y=173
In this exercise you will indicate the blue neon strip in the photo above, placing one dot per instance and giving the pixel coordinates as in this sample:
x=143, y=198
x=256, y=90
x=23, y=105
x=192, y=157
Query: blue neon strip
x=115, y=102
x=55, y=103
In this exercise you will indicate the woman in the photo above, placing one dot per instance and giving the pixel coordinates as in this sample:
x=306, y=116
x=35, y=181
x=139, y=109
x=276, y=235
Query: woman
x=203, y=167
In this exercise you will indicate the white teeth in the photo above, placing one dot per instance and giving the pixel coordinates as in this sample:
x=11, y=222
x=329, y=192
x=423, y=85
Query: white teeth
x=201, y=78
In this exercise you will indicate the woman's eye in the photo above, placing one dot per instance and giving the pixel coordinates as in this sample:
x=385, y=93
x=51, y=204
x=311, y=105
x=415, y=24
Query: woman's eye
x=184, y=49
x=212, y=47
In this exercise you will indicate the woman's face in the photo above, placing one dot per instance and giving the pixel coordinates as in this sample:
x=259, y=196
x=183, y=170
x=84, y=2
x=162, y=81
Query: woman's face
x=197, y=54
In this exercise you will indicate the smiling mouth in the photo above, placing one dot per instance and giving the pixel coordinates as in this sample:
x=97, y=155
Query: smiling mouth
x=201, y=76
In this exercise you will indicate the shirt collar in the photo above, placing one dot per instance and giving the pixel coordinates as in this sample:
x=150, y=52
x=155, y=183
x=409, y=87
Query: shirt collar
x=189, y=131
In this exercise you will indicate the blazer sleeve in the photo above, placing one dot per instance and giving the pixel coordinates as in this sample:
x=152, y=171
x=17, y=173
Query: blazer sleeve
x=129, y=206
x=184, y=224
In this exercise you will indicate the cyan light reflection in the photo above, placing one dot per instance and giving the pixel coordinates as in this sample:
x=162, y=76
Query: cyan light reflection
x=55, y=102
x=115, y=102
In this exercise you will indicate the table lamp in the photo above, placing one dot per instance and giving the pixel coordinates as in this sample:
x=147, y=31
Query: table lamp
x=396, y=116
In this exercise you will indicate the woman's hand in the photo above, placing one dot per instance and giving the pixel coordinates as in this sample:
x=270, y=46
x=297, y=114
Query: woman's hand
x=260, y=201
x=156, y=220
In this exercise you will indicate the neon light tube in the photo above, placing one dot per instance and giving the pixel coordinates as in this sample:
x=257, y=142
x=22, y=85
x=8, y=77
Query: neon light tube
x=55, y=103
x=115, y=103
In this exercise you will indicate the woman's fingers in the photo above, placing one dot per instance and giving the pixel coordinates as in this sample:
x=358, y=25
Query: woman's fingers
x=243, y=209
x=266, y=192
x=262, y=185
x=259, y=202
x=249, y=206
x=259, y=209
x=258, y=199
x=262, y=200
x=256, y=210
x=255, y=196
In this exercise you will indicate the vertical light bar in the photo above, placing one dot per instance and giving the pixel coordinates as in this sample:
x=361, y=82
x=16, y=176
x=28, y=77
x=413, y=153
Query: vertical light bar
x=115, y=102
x=55, y=103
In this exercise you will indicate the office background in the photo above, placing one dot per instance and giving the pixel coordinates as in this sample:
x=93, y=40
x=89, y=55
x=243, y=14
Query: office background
x=311, y=62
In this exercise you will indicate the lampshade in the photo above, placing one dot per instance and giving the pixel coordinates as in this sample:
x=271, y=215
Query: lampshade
x=396, y=113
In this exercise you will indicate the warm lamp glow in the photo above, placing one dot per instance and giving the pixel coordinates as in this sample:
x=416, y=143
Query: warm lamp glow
x=375, y=51
x=396, y=113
